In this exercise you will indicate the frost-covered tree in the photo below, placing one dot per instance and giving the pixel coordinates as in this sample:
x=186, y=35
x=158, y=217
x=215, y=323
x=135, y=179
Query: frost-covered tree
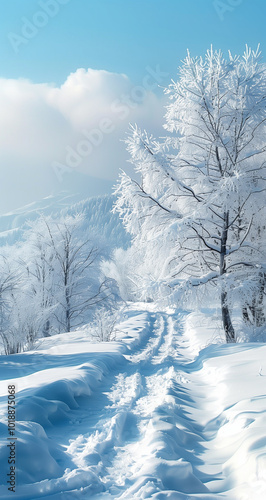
x=64, y=271
x=201, y=190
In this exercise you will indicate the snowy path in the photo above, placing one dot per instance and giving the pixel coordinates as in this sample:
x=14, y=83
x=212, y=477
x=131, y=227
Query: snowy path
x=135, y=446
x=140, y=418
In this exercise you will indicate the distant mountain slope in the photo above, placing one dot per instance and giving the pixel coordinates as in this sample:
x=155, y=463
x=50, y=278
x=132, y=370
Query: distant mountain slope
x=99, y=218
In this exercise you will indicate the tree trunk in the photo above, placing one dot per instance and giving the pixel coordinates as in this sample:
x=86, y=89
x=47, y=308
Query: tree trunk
x=245, y=315
x=68, y=310
x=68, y=325
x=259, y=311
x=227, y=323
x=46, y=332
x=67, y=289
x=253, y=313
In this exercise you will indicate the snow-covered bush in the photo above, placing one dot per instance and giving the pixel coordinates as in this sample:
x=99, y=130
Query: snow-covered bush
x=104, y=326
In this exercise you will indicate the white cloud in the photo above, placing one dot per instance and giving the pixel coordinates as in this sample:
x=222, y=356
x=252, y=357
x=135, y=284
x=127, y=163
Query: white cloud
x=49, y=133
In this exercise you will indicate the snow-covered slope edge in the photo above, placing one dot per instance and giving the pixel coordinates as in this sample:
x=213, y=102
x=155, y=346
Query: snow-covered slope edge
x=235, y=398
x=160, y=413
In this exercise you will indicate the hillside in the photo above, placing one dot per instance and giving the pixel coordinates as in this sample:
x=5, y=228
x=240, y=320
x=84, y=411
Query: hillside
x=97, y=210
x=160, y=413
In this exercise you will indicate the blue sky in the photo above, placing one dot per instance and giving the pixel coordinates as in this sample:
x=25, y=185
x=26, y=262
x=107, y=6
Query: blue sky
x=124, y=36
x=92, y=59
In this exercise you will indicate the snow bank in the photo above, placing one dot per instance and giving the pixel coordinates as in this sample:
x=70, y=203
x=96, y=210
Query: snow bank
x=236, y=379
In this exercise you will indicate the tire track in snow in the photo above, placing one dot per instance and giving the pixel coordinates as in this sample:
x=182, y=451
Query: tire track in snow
x=155, y=443
x=159, y=458
x=149, y=352
x=96, y=450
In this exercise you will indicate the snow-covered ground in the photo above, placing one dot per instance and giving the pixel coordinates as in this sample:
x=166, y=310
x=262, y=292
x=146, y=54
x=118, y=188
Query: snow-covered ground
x=160, y=413
x=97, y=212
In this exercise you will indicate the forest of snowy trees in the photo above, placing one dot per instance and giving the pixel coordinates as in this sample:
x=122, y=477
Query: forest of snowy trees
x=50, y=282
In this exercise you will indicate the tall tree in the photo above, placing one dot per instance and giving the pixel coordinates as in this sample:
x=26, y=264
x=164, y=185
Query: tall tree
x=202, y=189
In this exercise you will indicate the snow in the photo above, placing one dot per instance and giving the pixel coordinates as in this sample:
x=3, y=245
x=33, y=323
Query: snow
x=166, y=411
